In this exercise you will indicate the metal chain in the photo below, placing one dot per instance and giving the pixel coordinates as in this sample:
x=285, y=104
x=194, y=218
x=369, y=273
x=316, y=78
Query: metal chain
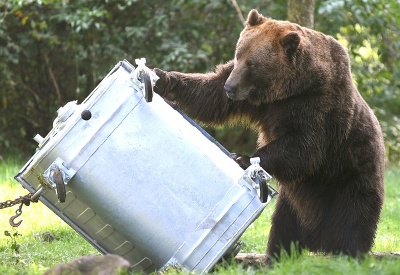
x=22, y=200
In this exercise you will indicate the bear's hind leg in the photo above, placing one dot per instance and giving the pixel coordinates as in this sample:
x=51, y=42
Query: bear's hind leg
x=346, y=230
x=285, y=232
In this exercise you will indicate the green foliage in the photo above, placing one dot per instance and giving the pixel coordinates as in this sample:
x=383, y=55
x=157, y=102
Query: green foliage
x=57, y=51
x=12, y=241
x=371, y=31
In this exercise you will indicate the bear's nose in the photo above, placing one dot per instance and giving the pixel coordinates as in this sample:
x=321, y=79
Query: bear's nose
x=230, y=89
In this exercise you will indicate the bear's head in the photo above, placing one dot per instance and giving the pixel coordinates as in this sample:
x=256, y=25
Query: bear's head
x=278, y=59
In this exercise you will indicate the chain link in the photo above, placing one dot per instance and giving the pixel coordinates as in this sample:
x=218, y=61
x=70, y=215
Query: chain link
x=22, y=199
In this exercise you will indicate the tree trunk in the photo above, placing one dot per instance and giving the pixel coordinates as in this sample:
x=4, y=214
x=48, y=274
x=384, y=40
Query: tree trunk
x=301, y=12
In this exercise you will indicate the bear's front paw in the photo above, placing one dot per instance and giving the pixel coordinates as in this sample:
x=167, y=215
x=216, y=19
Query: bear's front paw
x=163, y=86
x=160, y=87
x=242, y=160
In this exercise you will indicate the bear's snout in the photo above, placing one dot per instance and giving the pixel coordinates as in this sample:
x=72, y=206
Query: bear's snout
x=234, y=91
x=230, y=89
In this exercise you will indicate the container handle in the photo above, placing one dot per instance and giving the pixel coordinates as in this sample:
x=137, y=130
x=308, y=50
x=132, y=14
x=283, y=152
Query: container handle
x=147, y=77
x=148, y=87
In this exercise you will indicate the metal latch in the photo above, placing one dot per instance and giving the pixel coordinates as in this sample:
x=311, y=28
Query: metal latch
x=144, y=78
x=259, y=180
x=63, y=113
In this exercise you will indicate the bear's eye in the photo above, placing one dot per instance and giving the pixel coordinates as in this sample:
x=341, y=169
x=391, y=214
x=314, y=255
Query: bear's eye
x=251, y=64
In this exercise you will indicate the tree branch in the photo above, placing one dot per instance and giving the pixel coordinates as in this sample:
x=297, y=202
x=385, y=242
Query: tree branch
x=54, y=80
x=239, y=12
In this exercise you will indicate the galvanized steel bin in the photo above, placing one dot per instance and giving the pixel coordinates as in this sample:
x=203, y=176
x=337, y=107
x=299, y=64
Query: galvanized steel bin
x=142, y=180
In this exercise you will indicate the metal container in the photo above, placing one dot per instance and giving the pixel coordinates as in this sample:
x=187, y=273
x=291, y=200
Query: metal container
x=141, y=179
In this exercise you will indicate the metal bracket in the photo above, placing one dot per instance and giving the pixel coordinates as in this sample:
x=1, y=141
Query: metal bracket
x=259, y=180
x=144, y=78
x=67, y=173
x=57, y=176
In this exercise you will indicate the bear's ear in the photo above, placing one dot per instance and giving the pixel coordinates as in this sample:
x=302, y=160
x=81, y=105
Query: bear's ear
x=254, y=18
x=290, y=43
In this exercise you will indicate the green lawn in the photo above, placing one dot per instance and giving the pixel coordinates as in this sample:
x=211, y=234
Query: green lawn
x=36, y=252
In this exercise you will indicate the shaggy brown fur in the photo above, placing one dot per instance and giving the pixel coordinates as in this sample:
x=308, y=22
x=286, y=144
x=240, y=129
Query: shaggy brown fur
x=317, y=136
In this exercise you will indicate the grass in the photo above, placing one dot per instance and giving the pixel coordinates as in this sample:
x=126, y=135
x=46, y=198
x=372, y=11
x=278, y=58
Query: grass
x=34, y=253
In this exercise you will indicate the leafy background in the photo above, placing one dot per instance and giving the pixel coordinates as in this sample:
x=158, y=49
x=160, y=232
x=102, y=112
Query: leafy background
x=52, y=52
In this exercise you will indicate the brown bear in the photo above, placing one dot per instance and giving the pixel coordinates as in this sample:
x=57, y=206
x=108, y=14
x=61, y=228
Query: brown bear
x=317, y=136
